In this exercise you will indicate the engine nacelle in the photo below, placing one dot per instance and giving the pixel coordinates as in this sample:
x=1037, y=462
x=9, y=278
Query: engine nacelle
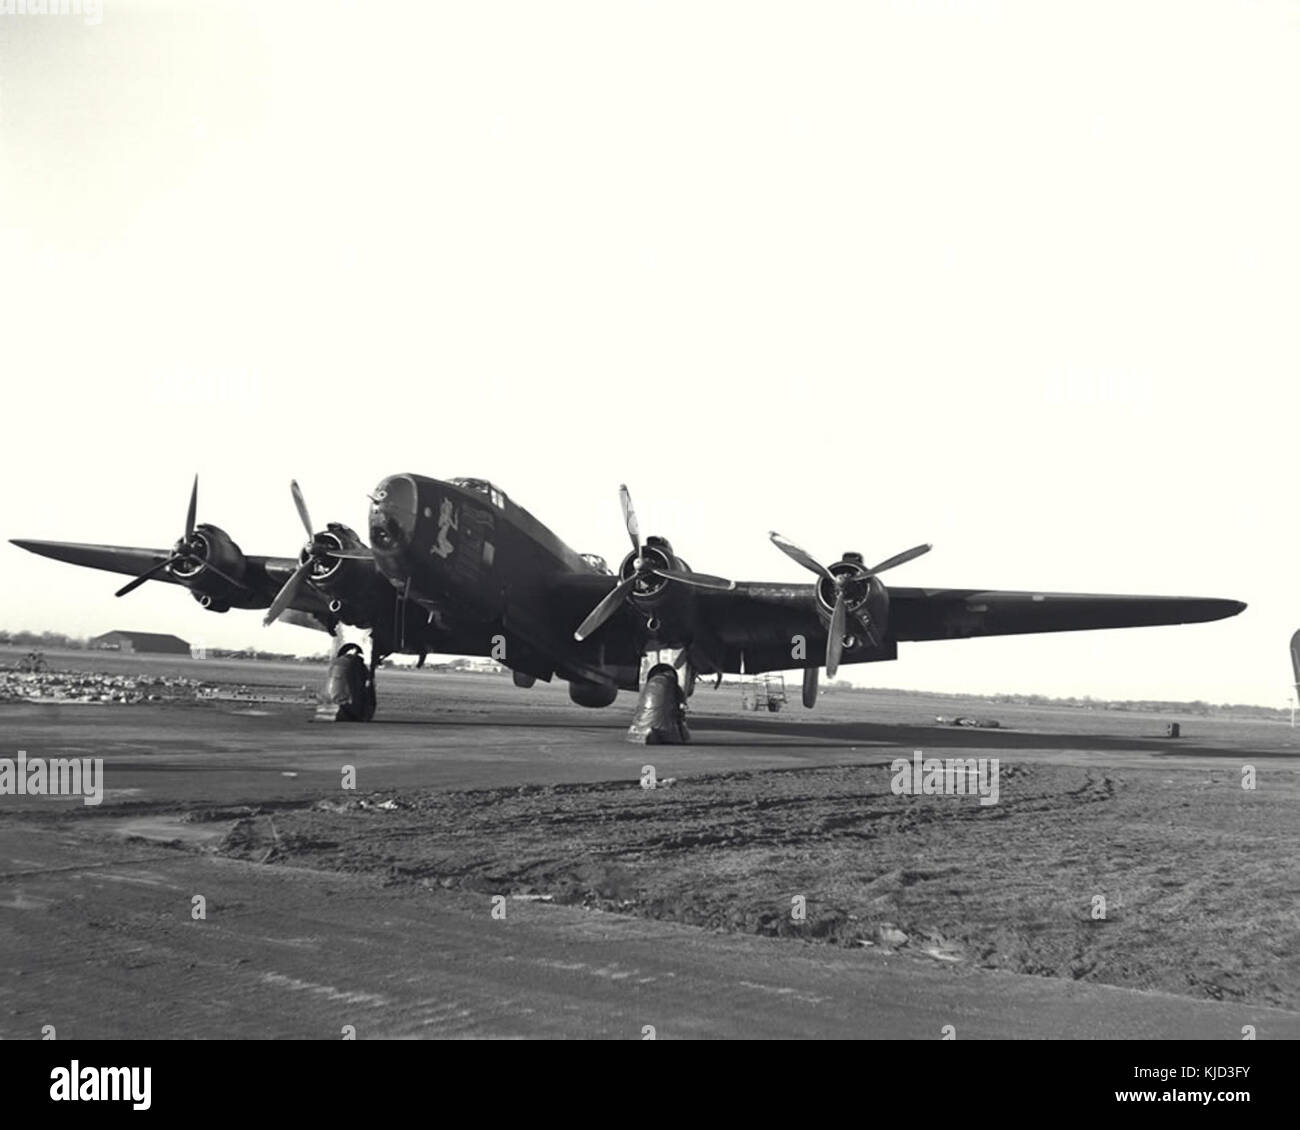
x=592, y=694
x=213, y=569
x=650, y=591
x=866, y=597
x=665, y=605
x=343, y=580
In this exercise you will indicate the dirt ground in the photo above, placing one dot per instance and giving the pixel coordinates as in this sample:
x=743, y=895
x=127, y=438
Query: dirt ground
x=1198, y=875
x=471, y=787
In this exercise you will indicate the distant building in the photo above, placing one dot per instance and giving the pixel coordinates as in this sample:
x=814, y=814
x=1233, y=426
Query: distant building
x=476, y=666
x=142, y=643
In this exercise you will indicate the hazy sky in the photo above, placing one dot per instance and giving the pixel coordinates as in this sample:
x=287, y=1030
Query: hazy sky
x=1021, y=280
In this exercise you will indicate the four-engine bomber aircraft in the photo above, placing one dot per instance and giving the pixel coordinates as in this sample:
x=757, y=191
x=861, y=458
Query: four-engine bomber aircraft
x=457, y=568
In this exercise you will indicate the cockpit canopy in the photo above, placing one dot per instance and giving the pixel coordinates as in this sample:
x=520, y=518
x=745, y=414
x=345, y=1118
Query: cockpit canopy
x=598, y=563
x=482, y=486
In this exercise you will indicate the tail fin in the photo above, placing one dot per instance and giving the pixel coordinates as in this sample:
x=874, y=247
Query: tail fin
x=1295, y=660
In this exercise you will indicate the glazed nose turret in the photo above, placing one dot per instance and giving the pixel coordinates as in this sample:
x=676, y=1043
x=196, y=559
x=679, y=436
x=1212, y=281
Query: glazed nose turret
x=394, y=507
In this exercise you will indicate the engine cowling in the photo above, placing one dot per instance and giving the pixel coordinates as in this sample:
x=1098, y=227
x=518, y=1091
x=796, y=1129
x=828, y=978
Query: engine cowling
x=212, y=552
x=666, y=606
x=647, y=578
x=592, y=694
x=865, y=596
x=650, y=591
x=345, y=580
x=849, y=597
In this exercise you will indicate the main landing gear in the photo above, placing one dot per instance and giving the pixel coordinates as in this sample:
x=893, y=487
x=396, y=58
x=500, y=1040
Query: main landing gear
x=660, y=717
x=349, y=691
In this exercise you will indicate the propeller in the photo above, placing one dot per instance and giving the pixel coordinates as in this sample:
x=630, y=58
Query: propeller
x=314, y=555
x=840, y=582
x=645, y=565
x=187, y=548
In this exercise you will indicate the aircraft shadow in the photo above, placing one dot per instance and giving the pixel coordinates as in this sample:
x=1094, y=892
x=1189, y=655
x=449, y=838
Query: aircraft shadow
x=963, y=737
x=494, y=723
x=722, y=732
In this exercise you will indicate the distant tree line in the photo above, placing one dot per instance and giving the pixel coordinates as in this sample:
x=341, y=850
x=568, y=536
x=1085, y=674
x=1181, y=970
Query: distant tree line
x=43, y=640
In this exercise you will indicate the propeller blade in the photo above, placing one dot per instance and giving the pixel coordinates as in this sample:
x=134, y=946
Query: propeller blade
x=360, y=553
x=285, y=596
x=810, y=687
x=835, y=638
x=193, y=511
x=629, y=517
x=869, y=630
x=301, y=505
x=802, y=556
x=696, y=580
x=606, y=608
x=901, y=558
x=131, y=586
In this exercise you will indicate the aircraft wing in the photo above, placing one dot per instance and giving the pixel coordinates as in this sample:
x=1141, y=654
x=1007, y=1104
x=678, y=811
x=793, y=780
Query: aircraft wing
x=112, y=558
x=264, y=575
x=761, y=619
x=940, y=614
x=135, y=560
x=756, y=626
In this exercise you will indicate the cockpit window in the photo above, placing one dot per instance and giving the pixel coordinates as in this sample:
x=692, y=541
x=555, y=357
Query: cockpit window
x=598, y=563
x=482, y=486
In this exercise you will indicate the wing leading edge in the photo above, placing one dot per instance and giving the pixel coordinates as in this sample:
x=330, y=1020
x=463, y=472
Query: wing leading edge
x=753, y=627
x=264, y=576
x=937, y=614
x=757, y=622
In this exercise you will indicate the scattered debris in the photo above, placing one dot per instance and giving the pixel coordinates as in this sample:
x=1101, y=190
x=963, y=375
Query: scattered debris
x=45, y=685
x=890, y=936
x=942, y=952
x=29, y=681
x=962, y=720
x=276, y=842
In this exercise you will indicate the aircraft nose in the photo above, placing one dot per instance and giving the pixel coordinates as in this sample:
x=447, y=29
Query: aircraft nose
x=394, y=506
